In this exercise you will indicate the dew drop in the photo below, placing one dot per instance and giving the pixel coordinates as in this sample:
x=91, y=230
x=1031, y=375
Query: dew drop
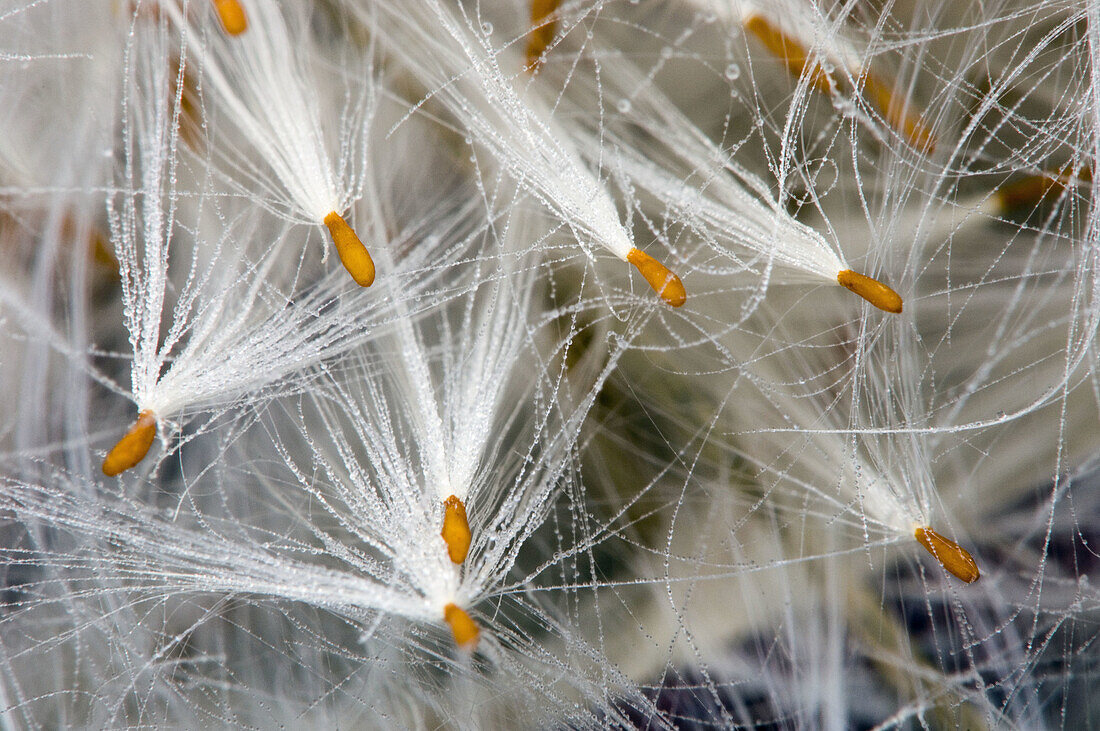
x=666, y=52
x=623, y=105
x=487, y=28
x=733, y=71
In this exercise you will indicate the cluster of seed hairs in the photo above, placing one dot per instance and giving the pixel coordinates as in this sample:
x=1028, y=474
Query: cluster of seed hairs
x=824, y=455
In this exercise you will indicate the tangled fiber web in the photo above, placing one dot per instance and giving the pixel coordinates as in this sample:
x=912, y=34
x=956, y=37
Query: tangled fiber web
x=539, y=363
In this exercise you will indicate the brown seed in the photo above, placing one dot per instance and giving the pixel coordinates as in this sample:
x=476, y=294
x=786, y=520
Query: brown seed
x=543, y=28
x=953, y=557
x=1032, y=190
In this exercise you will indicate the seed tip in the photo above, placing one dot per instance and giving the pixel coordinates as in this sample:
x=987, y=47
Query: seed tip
x=353, y=255
x=663, y=281
x=953, y=557
x=133, y=446
x=456, y=529
x=872, y=290
x=464, y=629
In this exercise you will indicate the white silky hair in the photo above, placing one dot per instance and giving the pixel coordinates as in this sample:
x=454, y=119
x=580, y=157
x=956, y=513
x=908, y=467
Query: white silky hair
x=728, y=209
x=462, y=70
x=247, y=319
x=292, y=125
x=692, y=516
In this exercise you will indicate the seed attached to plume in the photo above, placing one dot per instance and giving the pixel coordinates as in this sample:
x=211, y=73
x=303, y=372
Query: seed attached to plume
x=456, y=529
x=354, y=256
x=133, y=446
x=792, y=52
x=232, y=15
x=543, y=28
x=463, y=628
x=871, y=290
x=666, y=284
x=895, y=107
x=953, y=557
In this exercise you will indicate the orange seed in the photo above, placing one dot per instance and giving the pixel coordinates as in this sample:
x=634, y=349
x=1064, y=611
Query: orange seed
x=353, y=255
x=463, y=628
x=456, y=529
x=232, y=16
x=666, y=284
x=871, y=290
x=953, y=557
x=133, y=446
x=794, y=55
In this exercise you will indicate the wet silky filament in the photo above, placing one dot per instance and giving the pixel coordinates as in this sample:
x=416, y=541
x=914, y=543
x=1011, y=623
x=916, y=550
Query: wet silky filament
x=133, y=446
x=463, y=628
x=456, y=529
x=872, y=290
x=663, y=281
x=353, y=255
x=953, y=557
x=543, y=28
